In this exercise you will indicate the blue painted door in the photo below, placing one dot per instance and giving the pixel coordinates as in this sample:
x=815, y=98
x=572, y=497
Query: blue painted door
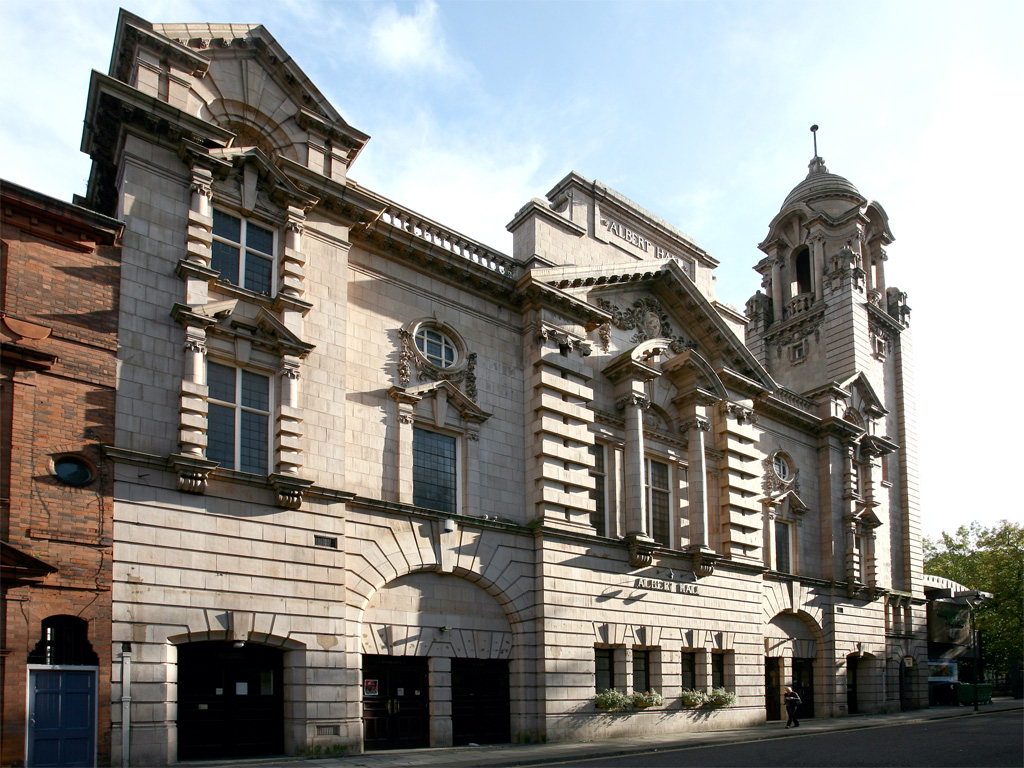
x=62, y=717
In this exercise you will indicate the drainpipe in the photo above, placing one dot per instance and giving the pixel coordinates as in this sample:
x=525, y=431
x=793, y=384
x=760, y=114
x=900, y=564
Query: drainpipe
x=126, y=704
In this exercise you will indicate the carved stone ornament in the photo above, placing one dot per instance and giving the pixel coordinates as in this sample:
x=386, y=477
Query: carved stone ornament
x=703, y=563
x=563, y=339
x=698, y=422
x=462, y=374
x=289, y=489
x=742, y=414
x=774, y=485
x=653, y=420
x=193, y=472
x=648, y=317
x=641, y=551
x=633, y=400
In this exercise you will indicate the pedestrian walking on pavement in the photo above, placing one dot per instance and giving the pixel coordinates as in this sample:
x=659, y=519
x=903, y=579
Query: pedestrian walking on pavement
x=792, y=700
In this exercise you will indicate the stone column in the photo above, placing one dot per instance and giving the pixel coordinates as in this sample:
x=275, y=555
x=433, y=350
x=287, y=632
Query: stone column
x=697, y=475
x=472, y=504
x=402, y=456
x=777, y=295
x=819, y=267
x=194, y=409
x=633, y=458
x=439, y=681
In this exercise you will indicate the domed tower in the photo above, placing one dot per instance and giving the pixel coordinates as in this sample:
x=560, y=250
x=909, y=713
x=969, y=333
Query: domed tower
x=837, y=340
x=825, y=314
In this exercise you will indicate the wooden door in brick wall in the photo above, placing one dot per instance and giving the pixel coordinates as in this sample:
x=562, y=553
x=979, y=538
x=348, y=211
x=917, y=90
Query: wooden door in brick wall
x=61, y=716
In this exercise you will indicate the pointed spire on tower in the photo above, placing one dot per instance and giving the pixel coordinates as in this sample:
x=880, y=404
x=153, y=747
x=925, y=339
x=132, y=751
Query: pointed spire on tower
x=817, y=164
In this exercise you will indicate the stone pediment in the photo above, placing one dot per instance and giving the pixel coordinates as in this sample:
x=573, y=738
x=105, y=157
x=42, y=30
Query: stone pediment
x=283, y=340
x=254, y=166
x=790, y=500
x=239, y=78
x=444, y=393
x=657, y=299
x=864, y=397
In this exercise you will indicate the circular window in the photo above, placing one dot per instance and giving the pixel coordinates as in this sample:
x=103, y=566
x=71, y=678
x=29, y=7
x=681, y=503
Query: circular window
x=436, y=347
x=781, y=466
x=73, y=470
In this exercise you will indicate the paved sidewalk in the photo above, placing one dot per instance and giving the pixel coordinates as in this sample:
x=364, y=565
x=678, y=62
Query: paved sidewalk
x=534, y=754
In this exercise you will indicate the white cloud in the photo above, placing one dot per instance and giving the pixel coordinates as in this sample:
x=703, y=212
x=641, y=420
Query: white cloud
x=412, y=42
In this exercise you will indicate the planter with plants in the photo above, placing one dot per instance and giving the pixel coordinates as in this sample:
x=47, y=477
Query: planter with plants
x=691, y=697
x=612, y=700
x=644, y=699
x=719, y=697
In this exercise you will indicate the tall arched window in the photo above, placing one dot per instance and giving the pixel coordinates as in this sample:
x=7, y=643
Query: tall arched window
x=802, y=263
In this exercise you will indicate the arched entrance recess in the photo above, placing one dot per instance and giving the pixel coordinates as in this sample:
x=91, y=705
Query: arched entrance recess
x=865, y=691
x=230, y=700
x=791, y=654
x=436, y=651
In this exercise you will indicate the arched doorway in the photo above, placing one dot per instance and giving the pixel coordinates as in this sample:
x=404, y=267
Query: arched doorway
x=791, y=651
x=436, y=652
x=230, y=700
x=863, y=684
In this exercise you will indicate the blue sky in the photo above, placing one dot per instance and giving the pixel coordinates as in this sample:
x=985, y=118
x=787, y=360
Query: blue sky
x=698, y=111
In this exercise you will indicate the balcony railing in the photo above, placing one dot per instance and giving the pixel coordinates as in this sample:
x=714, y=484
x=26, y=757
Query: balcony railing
x=458, y=245
x=799, y=304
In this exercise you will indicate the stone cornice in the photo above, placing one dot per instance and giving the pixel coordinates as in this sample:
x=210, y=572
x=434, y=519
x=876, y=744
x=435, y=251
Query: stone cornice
x=608, y=198
x=883, y=318
x=537, y=208
x=96, y=228
x=133, y=31
x=532, y=291
x=113, y=105
x=775, y=407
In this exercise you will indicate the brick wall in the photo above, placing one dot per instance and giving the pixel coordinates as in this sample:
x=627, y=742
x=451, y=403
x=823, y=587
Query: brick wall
x=59, y=272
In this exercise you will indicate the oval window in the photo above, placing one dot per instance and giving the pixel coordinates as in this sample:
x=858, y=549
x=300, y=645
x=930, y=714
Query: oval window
x=781, y=466
x=436, y=347
x=73, y=470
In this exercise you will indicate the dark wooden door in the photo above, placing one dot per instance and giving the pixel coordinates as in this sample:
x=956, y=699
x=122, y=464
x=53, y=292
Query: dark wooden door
x=480, y=702
x=852, y=662
x=62, y=717
x=773, y=688
x=395, y=702
x=803, y=683
x=230, y=701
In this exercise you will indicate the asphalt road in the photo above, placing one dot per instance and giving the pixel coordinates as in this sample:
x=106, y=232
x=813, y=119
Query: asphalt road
x=987, y=740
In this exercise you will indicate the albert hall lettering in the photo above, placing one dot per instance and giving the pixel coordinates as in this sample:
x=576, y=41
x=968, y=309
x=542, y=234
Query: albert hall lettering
x=665, y=586
x=636, y=239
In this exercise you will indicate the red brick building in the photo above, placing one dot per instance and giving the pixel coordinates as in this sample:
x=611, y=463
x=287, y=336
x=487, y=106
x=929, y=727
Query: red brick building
x=59, y=277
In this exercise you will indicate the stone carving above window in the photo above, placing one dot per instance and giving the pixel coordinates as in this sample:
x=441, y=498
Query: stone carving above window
x=437, y=353
x=650, y=320
x=780, y=474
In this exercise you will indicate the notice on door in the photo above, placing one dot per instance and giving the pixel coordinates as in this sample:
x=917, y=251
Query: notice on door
x=370, y=687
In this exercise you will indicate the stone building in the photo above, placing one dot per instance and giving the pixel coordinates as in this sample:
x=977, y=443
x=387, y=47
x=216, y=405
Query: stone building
x=59, y=267
x=377, y=485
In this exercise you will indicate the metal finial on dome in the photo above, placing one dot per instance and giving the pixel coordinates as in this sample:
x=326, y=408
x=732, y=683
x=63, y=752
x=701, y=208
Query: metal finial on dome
x=817, y=164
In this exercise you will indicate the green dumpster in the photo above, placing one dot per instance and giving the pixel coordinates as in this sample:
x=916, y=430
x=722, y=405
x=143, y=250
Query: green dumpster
x=965, y=693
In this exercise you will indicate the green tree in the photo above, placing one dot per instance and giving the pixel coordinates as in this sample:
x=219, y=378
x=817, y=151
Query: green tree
x=992, y=560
